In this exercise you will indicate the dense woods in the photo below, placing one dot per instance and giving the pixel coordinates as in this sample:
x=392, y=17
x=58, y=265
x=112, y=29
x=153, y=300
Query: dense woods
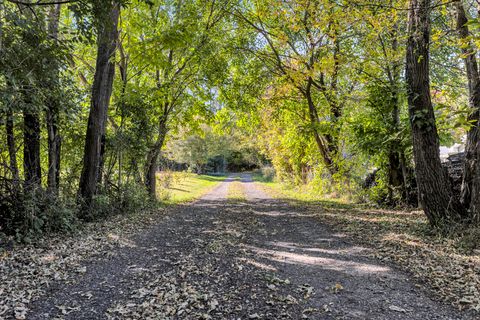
x=353, y=98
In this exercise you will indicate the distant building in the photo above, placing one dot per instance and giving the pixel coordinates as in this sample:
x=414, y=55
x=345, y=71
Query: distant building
x=445, y=152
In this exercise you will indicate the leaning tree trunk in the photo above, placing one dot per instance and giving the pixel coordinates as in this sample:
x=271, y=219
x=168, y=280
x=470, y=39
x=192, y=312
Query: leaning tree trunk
x=31, y=150
x=101, y=92
x=434, y=192
x=52, y=113
x=152, y=159
x=470, y=192
x=54, y=145
x=325, y=145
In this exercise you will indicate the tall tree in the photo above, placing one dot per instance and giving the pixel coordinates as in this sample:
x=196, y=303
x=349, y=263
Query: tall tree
x=101, y=92
x=53, y=110
x=470, y=192
x=31, y=148
x=31, y=115
x=169, y=72
x=304, y=43
x=382, y=52
x=434, y=192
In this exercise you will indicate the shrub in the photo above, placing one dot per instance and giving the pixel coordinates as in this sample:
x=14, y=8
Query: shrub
x=29, y=215
x=268, y=173
x=135, y=198
x=165, y=179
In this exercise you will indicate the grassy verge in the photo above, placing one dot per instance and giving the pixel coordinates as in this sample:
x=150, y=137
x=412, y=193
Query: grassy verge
x=448, y=264
x=180, y=187
x=235, y=192
x=298, y=193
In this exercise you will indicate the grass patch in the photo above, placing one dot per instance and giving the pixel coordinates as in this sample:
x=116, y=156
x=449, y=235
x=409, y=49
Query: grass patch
x=235, y=192
x=258, y=176
x=305, y=193
x=180, y=187
x=448, y=264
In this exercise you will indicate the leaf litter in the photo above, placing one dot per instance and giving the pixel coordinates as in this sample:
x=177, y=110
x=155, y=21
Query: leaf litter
x=403, y=238
x=209, y=279
x=202, y=285
x=27, y=271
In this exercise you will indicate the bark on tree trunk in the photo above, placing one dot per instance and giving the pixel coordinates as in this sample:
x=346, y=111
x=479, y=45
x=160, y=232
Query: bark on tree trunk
x=474, y=208
x=101, y=92
x=123, y=68
x=324, y=145
x=434, y=191
x=52, y=117
x=396, y=168
x=12, y=150
x=31, y=150
x=102, y=159
x=1, y=25
x=53, y=176
x=395, y=179
x=470, y=192
x=152, y=159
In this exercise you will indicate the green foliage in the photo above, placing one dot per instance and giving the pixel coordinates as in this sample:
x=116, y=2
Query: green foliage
x=221, y=85
x=267, y=174
x=27, y=216
x=127, y=199
x=210, y=150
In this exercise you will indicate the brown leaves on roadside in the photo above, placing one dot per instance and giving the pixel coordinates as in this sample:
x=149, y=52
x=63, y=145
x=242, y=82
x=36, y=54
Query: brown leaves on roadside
x=27, y=271
x=403, y=238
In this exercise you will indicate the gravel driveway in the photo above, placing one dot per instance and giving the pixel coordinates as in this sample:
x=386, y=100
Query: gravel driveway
x=254, y=259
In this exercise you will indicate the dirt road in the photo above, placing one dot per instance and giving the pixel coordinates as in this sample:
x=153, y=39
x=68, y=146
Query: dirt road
x=254, y=259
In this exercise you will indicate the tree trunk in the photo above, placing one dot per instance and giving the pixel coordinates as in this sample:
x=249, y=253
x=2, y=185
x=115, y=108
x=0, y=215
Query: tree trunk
x=434, y=192
x=102, y=159
x=1, y=25
x=52, y=117
x=53, y=176
x=123, y=68
x=31, y=150
x=470, y=192
x=324, y=145
x=101, y=92
x=397, y=171
x=397, y=178
x=152, y=159
x=12, y=150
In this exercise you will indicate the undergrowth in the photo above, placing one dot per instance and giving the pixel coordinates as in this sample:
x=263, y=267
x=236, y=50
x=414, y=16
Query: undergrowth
x=25, y=217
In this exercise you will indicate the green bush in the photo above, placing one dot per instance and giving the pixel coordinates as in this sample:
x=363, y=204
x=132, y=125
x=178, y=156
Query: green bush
x=29, y=215
x=26, y=216
x=268, y=173
x=103, y=205
x=135, y=198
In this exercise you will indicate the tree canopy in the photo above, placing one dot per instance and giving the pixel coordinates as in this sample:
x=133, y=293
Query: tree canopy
x=352, y=97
